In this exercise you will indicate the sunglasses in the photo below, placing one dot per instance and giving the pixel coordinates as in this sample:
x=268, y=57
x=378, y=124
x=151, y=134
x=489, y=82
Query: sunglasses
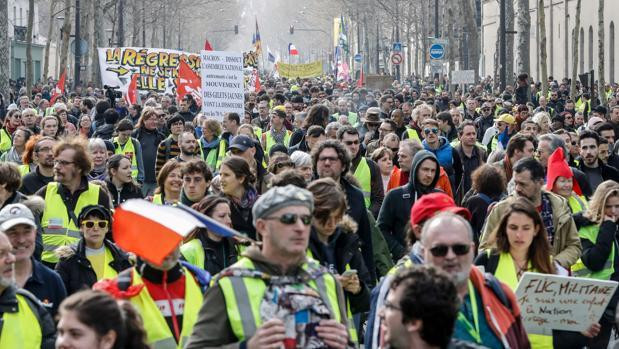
x=91, y=224
x=351, y=142
x=485, y=109
x=291, y=218
x=458, y=249
x=281, y=165
x=428, y=130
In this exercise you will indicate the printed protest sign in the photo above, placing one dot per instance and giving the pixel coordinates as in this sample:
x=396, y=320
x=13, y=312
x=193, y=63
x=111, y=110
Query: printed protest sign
x=550, y=302
x=222, y=83
x=293, y=71
x=157, y=68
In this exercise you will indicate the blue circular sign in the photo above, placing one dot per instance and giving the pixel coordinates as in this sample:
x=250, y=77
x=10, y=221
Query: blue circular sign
x=358, y=58
x=437, y=51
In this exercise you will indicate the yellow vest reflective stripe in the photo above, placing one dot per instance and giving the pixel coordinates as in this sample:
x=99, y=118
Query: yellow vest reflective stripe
x=580, y=270
x=128, y=150
x=24, y=169
x=244, y=295
x=157, y=200
x=194, y=253
x=577, y=203
x=506, y=273
x=270, y=141
x=6, y=142
x=412, y=134
x=158, y=332
x=364, y=176
x=21, y=329
x=58, y=228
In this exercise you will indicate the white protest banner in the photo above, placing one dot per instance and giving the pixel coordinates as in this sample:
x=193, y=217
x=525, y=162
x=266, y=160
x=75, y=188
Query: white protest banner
x=222, y=83
x=552, y=302
x=157, y=68
x=462, y=77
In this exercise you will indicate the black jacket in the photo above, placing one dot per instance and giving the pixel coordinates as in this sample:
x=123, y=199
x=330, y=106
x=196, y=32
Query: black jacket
x=75, y=269
x=395, y=212
x=128, y=191
x=218, y=255
x=346, y=254
x=8, y=304
x=242, y=219
x=105, y=131
x=608, y=172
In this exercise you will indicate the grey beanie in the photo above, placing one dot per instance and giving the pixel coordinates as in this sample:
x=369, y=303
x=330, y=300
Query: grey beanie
x=278, y=197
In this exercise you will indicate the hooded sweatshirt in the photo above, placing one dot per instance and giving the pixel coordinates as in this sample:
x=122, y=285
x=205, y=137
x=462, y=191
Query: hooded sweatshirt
x=395, y=212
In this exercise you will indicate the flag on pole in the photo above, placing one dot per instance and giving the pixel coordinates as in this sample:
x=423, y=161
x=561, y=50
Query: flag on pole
x=258, y=42
x=153, y=231
x=343, y=42
x=207, y=45
x=292, y=50
x=59, y=89
x=256, y=81
x=188, y=82
x=270, y=55
x=132, y=91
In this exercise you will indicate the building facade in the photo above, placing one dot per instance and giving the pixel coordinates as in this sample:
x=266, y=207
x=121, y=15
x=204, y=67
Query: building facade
x=560, y=15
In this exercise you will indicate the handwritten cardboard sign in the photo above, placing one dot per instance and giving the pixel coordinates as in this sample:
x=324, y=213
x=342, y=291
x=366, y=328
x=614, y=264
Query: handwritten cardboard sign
x=552, y=302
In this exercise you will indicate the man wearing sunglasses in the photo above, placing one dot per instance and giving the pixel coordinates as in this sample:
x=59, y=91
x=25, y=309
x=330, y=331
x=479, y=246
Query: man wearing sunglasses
x=282, y=217
x=489, y=312
x=484, y=121
x=448, y=158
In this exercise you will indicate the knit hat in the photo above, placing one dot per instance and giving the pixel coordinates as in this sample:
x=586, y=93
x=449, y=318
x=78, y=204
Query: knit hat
x=430, y=204
x=280, y=197
x=558, y=167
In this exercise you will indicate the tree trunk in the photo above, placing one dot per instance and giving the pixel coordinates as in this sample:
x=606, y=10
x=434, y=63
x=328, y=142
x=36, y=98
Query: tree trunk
x=473, y=39
x=29, y=66
x=121, y=23
x=509, y=25
x=97, y=41
x=135, y=21
x=541, y=22
x=86, y=35
x=50, y=32
x=575, y=45
x=601, y=72
x=523, y=23
x=4, y=51
x=66, y=33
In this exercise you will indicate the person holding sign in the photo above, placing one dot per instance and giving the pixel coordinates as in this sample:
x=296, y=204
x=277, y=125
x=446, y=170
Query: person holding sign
x=520, y=245
x=598, y=235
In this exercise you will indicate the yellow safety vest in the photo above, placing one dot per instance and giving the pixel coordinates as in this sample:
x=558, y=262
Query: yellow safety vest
x=128, y=150
x=6, y=142
x=157, y=199
x=158, y=332
x=364, y=176
x=58, y=228
x=353, y=118
x=215, y=156
x=243, y=296
x=580, y=270
x=24, y=169
x=412, y=134
x=506, y=273
x=577, y=203
x=270, y=141
x=21, y=329
x=108, y=271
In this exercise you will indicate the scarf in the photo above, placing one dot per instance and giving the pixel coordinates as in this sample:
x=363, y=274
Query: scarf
x=248, y=199
x=546, y=214
x=504, y=138
x=278, y=137
x=13, y=156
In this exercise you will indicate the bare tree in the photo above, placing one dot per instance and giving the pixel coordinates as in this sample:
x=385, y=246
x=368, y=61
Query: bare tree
x=4, y=50
x=29, y=68
x=509, y=26
x=523, y=23
x=66, y=33
x=543, y=56
x=575, y=55
x=50, y=31
x=97, y=40
x=601, y=82
x=473, y=35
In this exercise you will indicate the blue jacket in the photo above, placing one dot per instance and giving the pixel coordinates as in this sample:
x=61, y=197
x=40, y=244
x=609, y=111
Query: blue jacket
x=444, y=154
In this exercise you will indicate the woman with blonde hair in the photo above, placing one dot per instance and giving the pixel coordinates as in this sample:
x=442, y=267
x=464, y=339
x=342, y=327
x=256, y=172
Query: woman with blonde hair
x=597, y=227
x=542, y=119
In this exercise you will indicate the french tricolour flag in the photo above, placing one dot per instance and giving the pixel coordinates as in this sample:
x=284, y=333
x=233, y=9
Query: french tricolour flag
x=153, y=231
x=292, y=50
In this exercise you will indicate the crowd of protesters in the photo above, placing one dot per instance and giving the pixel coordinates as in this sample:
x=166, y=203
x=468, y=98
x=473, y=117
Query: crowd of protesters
x=385, y=196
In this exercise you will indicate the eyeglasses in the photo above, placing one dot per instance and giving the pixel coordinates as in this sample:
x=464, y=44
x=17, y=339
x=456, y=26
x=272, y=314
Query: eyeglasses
x=291, y=218
x=382, y=129
x=351, y=142
x=44, y=150
x=441, y=250
x=328, y=158
x=428, y=130
x=485, y=109
x=284, y=164
x=91, y=224
x=63, y=163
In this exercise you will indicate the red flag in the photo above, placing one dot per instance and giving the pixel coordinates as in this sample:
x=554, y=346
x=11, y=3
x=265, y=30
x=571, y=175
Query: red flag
x=257, y=81
x=132, y=91
x=207, y=45
x=360, y=81
x=59, y=89
x=188, y=82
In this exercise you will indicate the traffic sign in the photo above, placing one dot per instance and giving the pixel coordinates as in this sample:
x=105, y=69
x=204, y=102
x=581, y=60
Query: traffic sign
x=397, y=47
x=437, y=51
x=396, y=58
x=358, y=58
